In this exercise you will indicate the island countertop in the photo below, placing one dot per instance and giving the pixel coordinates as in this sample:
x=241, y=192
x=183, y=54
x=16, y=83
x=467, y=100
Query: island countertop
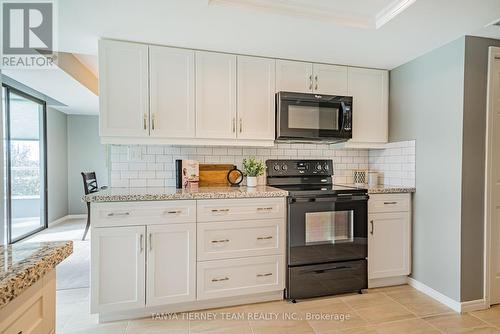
x=171, y=193
x=23, y=264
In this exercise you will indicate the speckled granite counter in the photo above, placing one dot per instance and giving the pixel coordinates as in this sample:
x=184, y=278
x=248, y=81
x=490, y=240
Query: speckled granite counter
x=385, y=189
x=382, y=189
x=23, y=264
x=163, y=194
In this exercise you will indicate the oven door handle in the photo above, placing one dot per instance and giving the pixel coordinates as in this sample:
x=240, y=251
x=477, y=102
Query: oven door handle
x=338, y=198
x=322, y=271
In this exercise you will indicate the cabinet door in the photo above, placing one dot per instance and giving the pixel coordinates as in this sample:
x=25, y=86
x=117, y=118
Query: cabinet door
x=330, y=79
x=171, y=269
x=123, y=89
x=117, y=280
x=256, y=86
x=293, y=76
x=388, y=244
x=215, y=95
x=369, y=89
x=171, y=85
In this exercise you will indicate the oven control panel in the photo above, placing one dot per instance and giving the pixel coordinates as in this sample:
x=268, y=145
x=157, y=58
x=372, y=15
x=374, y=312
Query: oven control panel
x=299, y=167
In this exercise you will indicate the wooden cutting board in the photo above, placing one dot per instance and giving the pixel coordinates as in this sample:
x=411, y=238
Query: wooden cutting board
x=214, y=175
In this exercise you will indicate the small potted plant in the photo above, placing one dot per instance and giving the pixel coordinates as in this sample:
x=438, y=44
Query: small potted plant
x=253, y=168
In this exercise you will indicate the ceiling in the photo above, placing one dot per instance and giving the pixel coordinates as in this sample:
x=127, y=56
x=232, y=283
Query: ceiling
x=333, y=31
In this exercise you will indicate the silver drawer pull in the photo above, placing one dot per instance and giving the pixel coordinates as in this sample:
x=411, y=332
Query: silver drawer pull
x=220, y=279
x=220, y=210
x=174, y=212
x=219, y=241
x=265, y=209
x=113, y=214
x=390, y=203
x=265, y=275
x=265, y=238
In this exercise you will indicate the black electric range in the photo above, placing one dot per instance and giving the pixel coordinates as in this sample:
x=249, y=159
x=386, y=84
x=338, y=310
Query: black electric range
x=326, y=231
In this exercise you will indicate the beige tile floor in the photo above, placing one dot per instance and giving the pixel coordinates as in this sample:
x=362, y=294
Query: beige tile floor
x=393, y=310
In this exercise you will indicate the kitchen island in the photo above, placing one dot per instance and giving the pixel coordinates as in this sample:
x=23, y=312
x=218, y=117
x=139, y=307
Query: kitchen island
x=27, y=285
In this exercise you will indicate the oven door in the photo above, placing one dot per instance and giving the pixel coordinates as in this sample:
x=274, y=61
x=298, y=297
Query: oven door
x=327, y=229
x=313, y=117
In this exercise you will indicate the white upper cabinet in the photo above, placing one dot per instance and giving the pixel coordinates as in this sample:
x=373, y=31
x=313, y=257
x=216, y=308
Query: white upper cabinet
x=215, y=95
x=370, y=110
x=256, y=86
x=294, y=76
x=330, y=79
x=171, y=92
x=123, y=89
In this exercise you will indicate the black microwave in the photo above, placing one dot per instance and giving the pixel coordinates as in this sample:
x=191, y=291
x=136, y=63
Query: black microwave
x=313, y=117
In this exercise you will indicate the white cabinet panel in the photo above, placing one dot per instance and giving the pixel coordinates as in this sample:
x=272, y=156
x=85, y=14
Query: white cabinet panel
x=369, y=89
x=240, y=209
x=236, y=277
x=330, y=79
x=389, y=203
x=256, y=87
x=118, y=268
x=123, y=89
x=233, y=239
x=171, y=267
x=215, y=95
x=171, y=87
x=294, y=76
x=388, y=244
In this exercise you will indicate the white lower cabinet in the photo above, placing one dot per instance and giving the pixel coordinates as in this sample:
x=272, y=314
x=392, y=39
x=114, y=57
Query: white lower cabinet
x=389, y=236
x=236, y=277
x=118, y=262
x=166, y=253
x=171, y=264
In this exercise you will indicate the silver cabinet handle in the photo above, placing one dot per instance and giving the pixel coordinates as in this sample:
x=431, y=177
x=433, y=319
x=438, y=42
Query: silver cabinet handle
x=220, y=210
x=145, y=121
x=316, y=78
x=141, y=242
x=118, y=214
x=390, y=203
x=220, y=279
x=310, y=82
x=265, y=275
x=265, y=209
x=371, y=223
x=219, y=241
x=153, y=118
x=174, y=212
x=234, y=124
x=150, y=242
x=241, y=125
x=265, y=238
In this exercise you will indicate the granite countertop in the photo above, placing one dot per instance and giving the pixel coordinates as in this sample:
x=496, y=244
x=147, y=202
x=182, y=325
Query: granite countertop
x=172, y=193
x=23, y=264
x=384, y=189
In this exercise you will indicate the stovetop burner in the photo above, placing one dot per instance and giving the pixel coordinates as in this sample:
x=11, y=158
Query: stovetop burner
x=306, y=177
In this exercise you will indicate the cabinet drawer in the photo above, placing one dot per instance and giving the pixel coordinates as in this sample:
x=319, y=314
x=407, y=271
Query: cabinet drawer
x=141, y=213
x=389, y=203
x=226, y=278
x=225, y=240
x=240, y=209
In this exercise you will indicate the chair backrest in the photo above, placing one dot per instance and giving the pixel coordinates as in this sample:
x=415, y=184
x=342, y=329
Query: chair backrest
x=90, y=183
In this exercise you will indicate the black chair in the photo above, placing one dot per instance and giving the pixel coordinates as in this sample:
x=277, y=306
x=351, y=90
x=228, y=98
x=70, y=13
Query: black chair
x=89, y=186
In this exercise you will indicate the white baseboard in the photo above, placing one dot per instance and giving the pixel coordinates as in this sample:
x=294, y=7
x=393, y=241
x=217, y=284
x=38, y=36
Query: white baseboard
x=459, y=307
x=65, y=218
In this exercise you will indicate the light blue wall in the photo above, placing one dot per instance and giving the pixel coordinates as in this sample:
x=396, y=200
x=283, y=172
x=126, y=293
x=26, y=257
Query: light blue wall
x=57, y=164
x=426, y=104
x=85, y=153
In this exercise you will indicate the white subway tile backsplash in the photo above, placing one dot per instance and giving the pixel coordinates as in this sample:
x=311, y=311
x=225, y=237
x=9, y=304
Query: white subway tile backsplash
x=156, y=166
